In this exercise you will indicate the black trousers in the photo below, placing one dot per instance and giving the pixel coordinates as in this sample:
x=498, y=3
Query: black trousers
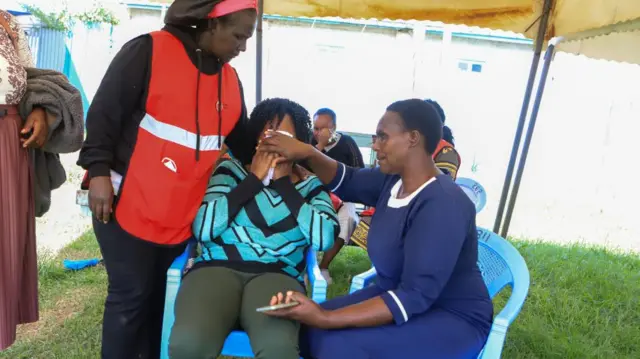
x=137, y=273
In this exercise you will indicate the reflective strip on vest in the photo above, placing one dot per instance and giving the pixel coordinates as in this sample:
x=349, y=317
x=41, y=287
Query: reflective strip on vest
x=180, y=136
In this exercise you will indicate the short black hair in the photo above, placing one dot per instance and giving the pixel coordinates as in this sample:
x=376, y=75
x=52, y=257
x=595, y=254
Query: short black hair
x=327, y=112
x=421, y=116
x=438, y=108
x=277, y=108
x=447, y=134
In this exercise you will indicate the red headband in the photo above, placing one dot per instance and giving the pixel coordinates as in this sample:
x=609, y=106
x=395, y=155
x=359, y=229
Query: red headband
x=231, y=6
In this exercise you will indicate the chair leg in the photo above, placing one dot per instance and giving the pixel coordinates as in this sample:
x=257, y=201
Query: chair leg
x=173, y=284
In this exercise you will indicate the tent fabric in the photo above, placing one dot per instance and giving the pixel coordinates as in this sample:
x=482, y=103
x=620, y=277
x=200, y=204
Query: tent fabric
x=571, y=16
x=614, y=42
x=509, y=15
x=613, y=47
x=568, y=16
x=520, y=16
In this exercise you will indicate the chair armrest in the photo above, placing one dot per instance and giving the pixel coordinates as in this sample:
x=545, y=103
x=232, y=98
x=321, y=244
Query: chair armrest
x=363, y=280
x=316, y=280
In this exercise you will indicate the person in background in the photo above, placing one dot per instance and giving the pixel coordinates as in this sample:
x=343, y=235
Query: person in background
x=339, y=146
x=446, y=157
x=155, y=129
x=429, y=300
x=18, y=268
x=342, y=148
x=40, y=117
x=253, y=238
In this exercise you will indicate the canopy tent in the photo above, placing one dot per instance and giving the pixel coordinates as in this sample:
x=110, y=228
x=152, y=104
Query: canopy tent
x=612, y=42
x=602, y=29
x=566, y=16
x=593, y=41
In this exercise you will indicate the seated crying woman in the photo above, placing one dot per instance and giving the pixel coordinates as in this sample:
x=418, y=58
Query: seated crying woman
x=429, y=300
x=252, y=238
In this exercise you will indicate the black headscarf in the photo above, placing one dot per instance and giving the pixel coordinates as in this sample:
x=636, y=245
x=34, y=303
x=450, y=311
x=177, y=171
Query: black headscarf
x=189, y=12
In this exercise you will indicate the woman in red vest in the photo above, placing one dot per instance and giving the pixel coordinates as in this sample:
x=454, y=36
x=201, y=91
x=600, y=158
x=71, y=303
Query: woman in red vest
x=155, y=128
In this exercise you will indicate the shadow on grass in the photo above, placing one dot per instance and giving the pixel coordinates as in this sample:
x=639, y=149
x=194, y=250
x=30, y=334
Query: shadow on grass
x=583, y=303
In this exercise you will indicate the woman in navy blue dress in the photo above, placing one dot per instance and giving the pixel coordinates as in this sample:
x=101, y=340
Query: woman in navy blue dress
x=429, y=300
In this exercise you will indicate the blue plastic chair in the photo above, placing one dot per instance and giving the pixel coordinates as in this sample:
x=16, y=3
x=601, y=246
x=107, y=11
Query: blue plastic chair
x=474, y=190
x=237, y=343
x=501, y=265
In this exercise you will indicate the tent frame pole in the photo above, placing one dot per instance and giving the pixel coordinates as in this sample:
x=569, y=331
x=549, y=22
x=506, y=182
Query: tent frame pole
x=259, y=47
x=542, y=30
x=548, y=56
x=631, y=25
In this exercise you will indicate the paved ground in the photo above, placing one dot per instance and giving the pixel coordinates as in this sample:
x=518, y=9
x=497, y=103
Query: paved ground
x=64, y=222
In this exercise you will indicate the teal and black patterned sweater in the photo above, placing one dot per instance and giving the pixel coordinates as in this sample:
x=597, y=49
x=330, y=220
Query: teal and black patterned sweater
x=246, y=226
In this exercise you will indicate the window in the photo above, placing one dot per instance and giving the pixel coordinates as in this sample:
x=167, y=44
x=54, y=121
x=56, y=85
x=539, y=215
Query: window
x=470, y=66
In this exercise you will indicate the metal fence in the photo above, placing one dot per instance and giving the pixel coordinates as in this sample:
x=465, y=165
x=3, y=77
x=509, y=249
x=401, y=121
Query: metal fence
x=48, y=47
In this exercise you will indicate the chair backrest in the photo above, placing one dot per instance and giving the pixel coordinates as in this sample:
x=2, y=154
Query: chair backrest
x=501, y=265
x=474, y=190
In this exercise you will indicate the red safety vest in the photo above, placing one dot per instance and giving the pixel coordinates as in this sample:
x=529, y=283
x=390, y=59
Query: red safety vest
x=164, y=184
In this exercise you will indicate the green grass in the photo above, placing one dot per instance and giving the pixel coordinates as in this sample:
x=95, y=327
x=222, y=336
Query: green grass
x=583, y=303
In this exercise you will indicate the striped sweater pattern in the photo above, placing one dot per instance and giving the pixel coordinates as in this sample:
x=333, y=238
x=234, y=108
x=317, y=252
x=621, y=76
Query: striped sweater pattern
x=240, y=220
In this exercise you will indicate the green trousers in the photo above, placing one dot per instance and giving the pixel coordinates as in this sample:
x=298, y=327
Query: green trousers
x=213, y=301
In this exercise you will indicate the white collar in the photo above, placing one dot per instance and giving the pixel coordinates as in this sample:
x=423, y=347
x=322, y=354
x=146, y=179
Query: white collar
x=395, y=202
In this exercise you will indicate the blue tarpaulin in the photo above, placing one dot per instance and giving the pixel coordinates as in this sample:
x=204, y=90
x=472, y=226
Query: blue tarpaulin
x=18, y=12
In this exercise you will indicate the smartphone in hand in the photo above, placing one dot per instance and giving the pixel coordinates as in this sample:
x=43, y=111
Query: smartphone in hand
x=270, y=308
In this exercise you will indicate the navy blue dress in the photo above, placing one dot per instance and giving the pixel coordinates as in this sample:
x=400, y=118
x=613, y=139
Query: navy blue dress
x=425, y=250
